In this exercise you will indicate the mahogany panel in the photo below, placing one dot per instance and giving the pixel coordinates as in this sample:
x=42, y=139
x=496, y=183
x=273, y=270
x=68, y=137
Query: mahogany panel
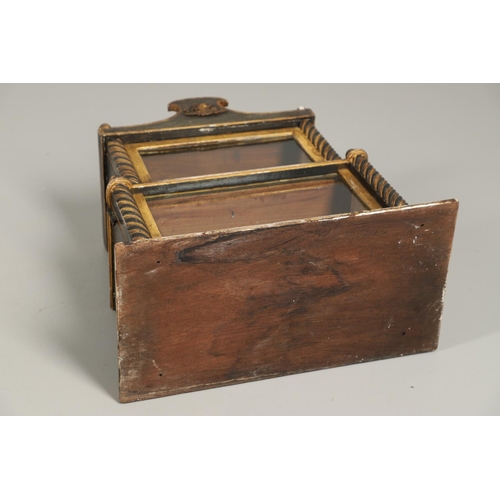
x=232, y=306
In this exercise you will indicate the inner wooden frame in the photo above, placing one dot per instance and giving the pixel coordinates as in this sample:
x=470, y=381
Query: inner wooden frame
x=135, y=150
x=200, y=184
x=171, y=195
x=253, y=204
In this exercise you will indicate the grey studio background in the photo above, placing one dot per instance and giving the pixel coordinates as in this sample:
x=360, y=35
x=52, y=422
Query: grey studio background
x=57, y=339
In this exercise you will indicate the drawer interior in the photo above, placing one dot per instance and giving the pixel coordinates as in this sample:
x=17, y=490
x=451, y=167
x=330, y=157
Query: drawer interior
x=221, y=159
x=250, y=205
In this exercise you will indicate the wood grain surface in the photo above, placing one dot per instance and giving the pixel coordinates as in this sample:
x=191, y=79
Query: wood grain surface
x=230, y=306
x=252, y=205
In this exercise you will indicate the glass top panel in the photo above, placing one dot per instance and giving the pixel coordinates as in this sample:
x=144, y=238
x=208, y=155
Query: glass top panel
x=251, y=205
x=171, y=165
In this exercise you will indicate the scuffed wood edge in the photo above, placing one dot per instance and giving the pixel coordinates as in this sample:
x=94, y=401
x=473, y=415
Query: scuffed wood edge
x=322, y=218
x=134, y=398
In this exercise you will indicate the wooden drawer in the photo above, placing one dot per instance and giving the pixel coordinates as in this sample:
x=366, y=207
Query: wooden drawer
x=242, y=247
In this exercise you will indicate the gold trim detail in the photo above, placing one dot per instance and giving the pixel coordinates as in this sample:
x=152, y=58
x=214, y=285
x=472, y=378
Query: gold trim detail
x=358, y=159
x=121, y=162
x=119, y=190
x=143, y=206
x=134, y=150
x=139, y=165
x=242, y=174
x=319, y=142
x=357, y=188
x=204, y=109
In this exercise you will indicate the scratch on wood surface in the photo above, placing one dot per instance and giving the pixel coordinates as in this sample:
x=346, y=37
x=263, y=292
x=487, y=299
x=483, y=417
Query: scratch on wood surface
x=152, y=361
x=228, y=249
x=283, y=243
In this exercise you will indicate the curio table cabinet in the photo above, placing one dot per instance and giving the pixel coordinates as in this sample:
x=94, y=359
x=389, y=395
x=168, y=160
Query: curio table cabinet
x=242, y=247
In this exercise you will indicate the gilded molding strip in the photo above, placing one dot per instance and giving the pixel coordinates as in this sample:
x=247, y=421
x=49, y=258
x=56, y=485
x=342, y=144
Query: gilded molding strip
x=319, y=142
x=121, y=162
x=201, y=108
x=147, y=216
x=358, y=189
x=120, y=190
x=358, y=159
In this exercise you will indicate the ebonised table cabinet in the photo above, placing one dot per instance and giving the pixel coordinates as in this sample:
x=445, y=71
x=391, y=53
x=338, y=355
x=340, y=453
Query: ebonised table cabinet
x=242, y=247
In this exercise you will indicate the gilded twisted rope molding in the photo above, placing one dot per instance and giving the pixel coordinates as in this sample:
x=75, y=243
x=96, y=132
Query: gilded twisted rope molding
x=120, y=161
x=319, y=142
x=119, y=191
x=358, y=158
